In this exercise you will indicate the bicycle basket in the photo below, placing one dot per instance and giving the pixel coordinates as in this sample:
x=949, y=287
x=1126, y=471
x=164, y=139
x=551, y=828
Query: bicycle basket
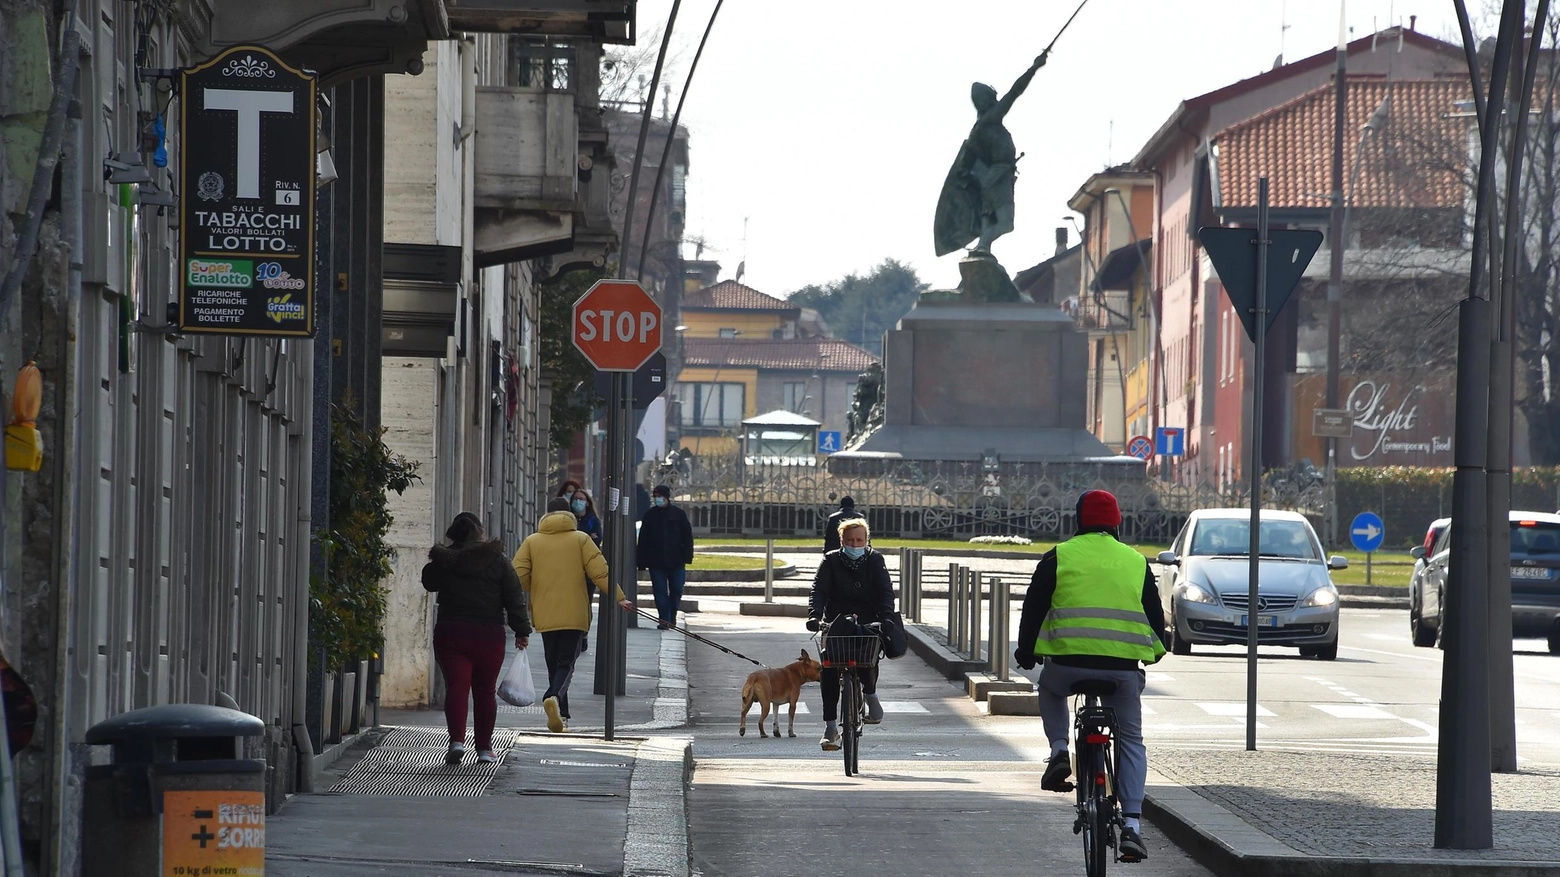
x=850, y=650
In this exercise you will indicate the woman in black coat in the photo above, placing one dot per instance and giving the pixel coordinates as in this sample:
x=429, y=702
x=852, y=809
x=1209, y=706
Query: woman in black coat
x=478, y=591
x=851, y=581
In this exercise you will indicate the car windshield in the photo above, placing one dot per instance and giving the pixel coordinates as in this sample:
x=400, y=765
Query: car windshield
x=1233, y=537
x=1534, y=538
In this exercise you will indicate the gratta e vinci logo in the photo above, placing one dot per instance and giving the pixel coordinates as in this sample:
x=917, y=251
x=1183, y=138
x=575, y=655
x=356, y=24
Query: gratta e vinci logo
x=282, y=309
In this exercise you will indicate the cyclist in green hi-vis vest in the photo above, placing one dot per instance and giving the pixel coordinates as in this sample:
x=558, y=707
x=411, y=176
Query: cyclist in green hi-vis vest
x=1093, y=612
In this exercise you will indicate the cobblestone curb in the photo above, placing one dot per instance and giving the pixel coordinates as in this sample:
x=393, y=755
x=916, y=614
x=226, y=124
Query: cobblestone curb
x=1237, y=822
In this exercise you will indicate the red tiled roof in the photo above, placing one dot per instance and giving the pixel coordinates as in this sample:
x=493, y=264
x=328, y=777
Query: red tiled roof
x=1416, y=161
x=799, y=354
x=1171, y=126
x=733, y=296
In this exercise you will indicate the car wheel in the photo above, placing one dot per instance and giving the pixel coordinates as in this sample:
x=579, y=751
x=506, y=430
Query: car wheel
x=1424, y=637
x=1328, y=652
x=1178, y=646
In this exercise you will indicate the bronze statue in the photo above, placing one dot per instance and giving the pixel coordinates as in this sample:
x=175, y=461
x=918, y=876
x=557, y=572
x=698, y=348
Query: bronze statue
x=977, y=197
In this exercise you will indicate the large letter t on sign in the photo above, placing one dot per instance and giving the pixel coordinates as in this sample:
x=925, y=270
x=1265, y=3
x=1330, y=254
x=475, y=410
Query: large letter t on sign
x=249, y=105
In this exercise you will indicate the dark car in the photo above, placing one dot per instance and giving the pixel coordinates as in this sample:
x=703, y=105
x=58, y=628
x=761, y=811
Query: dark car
x=1535, y=581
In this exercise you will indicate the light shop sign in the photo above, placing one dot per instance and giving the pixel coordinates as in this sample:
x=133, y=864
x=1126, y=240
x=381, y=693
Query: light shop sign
x=1389, y=423
x=246, y=251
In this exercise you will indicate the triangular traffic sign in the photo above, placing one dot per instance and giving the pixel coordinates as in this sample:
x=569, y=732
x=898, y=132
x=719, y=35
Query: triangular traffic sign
x=1233, y=252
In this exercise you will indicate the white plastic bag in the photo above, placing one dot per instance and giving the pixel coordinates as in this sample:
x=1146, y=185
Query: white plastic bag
x=516, y=687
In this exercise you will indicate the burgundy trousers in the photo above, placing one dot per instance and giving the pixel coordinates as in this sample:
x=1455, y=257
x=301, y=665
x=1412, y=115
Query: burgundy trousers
x=471, y=655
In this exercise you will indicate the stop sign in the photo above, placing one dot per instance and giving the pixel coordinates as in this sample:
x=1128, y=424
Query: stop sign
x=617, y=325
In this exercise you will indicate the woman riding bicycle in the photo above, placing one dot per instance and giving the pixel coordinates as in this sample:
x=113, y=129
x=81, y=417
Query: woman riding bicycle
x=851, y=581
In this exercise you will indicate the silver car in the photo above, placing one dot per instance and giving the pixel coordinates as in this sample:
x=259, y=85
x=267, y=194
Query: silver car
x=1205, y=586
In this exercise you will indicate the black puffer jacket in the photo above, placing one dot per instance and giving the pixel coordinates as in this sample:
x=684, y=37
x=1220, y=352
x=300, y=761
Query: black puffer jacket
x=865, y=591
x=475, y=582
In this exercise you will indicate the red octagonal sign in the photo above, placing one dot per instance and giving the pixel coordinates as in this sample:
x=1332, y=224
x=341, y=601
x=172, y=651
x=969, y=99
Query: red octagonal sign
x=617, y=325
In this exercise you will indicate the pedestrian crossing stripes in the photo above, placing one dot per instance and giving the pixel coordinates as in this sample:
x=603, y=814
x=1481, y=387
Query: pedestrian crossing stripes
x=889, y=706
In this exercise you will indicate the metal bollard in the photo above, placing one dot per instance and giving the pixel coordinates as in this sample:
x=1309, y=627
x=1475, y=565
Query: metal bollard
x=953, y=604
x=904, y=580
x=972, y=636
x=769, y=570
x=1002, y=645
x=994, y=625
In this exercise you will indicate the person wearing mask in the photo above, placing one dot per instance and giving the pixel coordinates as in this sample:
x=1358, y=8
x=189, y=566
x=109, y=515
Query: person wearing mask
x=851, y=580
x=1093, y=612
x=567, y=489
x=831, y=528
x=478, y=591
x=550, y=564
x=584, y=509
x=665, y=548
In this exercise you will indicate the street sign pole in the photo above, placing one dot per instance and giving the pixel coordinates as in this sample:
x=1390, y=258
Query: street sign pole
x=1256, y=465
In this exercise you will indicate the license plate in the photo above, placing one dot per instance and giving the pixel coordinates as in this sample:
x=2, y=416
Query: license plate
x=1530, y=572
x=1262, y=620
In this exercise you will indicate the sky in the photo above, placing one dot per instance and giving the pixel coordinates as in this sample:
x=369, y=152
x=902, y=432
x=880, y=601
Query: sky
x=821, y=130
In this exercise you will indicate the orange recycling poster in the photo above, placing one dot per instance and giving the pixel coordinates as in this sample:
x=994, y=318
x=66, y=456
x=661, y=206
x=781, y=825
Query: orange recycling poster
x=211, y=833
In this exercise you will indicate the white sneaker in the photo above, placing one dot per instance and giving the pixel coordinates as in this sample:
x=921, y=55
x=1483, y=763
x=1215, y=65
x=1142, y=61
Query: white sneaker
x=456, y=754
x=486, y=756
x=831, y=740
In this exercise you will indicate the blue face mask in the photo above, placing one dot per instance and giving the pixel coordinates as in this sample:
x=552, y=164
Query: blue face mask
x=660, y=502
x=579, y=506
x=853, y=552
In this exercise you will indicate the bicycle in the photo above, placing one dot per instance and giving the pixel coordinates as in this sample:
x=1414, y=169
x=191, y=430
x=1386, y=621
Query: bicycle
x=848, y=653
x=1094, y=766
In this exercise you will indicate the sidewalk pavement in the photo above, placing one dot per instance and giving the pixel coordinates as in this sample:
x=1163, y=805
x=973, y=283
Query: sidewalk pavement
x=571, y=803
x=1319, y=814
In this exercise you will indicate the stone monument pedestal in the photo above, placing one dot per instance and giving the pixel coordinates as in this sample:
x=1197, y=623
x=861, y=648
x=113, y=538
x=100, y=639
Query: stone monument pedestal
x=964, y=381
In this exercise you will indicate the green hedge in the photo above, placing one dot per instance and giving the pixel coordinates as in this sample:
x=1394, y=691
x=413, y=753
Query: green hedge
x=1408, y=498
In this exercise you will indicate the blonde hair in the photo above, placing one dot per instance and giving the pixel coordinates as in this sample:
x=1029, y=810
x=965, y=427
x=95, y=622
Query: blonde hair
x=849, y=523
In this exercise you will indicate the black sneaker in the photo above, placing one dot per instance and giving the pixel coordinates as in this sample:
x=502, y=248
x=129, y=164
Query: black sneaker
x=1131, y=847
x=1057, y=770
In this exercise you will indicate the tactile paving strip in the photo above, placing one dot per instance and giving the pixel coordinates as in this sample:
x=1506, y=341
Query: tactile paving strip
x=410, y=762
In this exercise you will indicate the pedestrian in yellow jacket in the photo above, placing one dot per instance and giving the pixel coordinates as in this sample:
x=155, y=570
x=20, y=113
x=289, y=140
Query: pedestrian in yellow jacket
x=552, y=564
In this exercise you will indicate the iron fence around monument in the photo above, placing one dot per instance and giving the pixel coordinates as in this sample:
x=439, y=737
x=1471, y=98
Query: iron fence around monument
x=950, y=499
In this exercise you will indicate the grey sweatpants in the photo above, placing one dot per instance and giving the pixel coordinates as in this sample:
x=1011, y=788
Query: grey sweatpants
x=1056, y=682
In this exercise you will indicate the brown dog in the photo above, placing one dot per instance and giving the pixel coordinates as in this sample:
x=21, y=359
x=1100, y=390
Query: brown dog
x=766, y=687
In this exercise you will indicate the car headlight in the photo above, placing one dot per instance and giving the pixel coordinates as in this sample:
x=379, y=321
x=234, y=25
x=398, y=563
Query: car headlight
x=1321, y=597
x=1197, y=594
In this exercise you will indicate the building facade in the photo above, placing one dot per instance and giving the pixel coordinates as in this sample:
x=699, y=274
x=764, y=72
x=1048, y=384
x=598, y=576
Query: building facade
x=1185, y=168
x=745, y=353
x=164, y=552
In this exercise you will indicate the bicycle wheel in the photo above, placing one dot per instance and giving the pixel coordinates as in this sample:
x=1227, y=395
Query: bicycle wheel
x=1095, y=815
x=848, y=707
x=858, y=724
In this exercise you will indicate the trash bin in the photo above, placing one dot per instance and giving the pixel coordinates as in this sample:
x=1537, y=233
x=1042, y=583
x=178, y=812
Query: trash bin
x=177, y=796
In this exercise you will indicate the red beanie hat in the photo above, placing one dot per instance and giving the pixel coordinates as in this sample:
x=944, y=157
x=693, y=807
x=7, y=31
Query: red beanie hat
x=1097, y=508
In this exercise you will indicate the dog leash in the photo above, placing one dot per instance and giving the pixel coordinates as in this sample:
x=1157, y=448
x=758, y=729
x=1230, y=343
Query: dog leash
x=689, y=633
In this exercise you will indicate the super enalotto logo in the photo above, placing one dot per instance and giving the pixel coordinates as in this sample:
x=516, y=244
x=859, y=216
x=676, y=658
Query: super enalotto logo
x=221, y=273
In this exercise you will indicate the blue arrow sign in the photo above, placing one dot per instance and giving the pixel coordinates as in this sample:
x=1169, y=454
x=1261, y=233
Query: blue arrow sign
x=1367, y=531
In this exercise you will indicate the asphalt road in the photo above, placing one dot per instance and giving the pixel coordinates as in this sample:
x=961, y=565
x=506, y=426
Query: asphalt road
x=947, y=788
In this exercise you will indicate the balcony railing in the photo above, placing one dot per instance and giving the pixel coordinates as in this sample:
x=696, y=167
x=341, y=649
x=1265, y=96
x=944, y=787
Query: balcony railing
x=607, y=21
x=1104, y=312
